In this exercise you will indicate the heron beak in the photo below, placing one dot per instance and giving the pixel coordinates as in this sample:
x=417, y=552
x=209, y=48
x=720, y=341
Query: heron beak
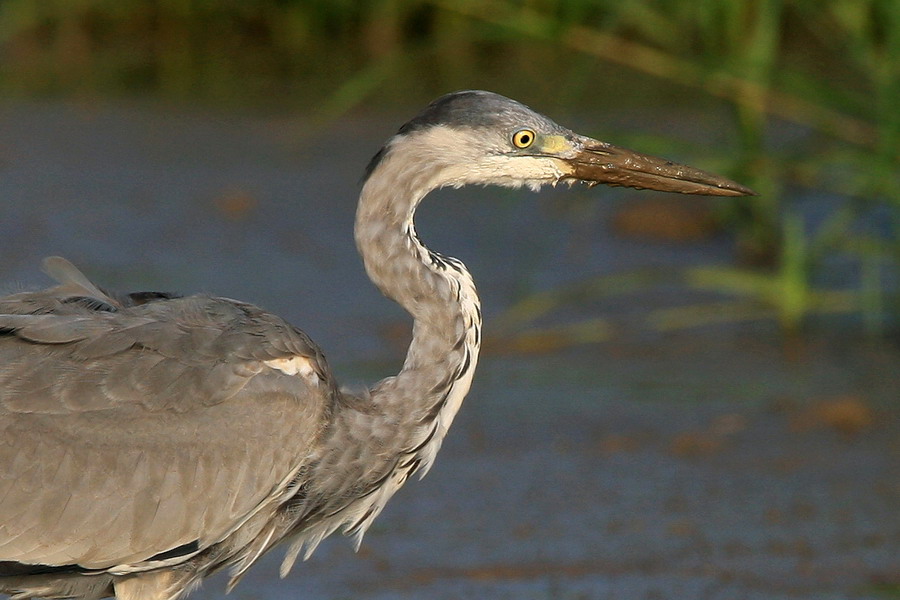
x=598, y=162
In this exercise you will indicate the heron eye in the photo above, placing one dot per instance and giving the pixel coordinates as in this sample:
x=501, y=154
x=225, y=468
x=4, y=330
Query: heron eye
x=523, y=138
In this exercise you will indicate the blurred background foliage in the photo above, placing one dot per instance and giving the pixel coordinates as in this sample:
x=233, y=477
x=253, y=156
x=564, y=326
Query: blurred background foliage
x=823, y=236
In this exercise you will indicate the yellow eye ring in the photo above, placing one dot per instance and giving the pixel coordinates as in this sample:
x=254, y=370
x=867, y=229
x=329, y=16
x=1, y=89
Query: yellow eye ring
x=523, y=138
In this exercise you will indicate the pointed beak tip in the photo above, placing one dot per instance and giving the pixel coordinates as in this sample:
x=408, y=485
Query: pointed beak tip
x=732, y=188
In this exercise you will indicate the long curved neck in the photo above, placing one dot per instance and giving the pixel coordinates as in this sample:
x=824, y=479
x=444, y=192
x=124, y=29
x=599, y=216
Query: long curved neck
x=439, y=294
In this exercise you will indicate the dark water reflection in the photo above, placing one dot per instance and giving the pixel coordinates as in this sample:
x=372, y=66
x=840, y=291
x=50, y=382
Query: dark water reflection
x=690, y=465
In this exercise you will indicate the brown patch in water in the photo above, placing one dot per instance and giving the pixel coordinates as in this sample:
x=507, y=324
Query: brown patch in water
x=235, y=205
x=665, y=219
x=614, y=443
x=708, y=441
x=849, y=415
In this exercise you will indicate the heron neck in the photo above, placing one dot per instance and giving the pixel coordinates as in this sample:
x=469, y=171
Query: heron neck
x=439, y=294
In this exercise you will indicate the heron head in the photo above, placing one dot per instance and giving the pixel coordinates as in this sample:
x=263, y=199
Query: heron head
x=478, y=137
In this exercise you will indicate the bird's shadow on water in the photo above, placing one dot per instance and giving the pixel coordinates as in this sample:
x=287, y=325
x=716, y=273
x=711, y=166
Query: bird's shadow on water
x=701, y=463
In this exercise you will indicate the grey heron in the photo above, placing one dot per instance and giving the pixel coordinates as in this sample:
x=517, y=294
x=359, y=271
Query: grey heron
x=148, y=440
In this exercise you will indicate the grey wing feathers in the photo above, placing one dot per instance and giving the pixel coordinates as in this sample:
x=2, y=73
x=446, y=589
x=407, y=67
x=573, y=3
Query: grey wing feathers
x=133, y=425
x=70, y=278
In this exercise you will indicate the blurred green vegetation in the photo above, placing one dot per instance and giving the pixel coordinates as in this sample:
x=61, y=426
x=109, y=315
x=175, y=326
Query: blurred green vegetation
x=830, y=70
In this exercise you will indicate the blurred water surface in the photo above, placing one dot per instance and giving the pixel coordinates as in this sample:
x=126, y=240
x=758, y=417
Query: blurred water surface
x=699, y=464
